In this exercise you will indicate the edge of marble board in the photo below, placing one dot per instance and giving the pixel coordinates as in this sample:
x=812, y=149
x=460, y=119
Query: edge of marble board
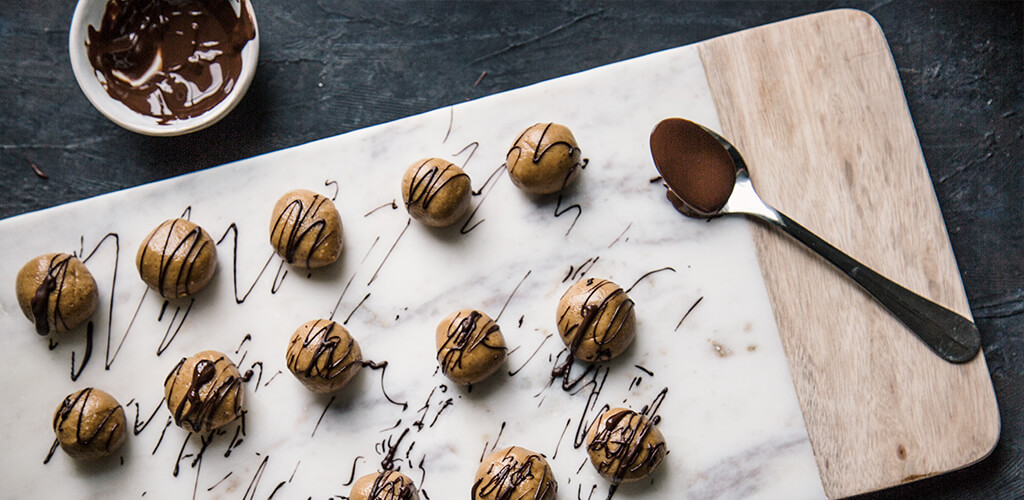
x=370, y=129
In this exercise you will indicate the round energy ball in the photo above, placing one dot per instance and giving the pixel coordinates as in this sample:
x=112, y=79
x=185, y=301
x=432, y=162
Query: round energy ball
x=56, y=292
x=436, y=192
x=625, y=446
x=544, y=159
x=323, y=356
x=387, y=485
x=514, y=473
x=596, y=320
x=177, y=259
x=470, y=346
x=305, y=229
x=204, y=392
x=90, y=424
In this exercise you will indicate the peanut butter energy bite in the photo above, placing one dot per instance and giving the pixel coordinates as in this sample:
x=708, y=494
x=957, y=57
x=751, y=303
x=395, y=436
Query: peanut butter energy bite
x=514, y=473
x=387, y=485
x=204, y=392
x=436, y=192
x=544, y=159
x=90, y=424
x=625, y=446
x=470, y=346
x=305, y=229
x=323, y=356
x=177, y=259
x=56, y=292
x=596, y=320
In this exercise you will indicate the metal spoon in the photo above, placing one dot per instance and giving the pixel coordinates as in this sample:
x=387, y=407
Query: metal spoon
x=685, y=151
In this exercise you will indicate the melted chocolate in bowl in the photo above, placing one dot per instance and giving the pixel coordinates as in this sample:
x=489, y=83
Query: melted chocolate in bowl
x=695, y=166
x=170, y=59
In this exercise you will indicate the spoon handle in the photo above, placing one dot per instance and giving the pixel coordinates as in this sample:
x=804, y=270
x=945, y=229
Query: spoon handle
x=952, y=336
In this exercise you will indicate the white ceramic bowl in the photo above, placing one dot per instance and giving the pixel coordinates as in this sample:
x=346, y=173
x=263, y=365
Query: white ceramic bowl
x=90, y=12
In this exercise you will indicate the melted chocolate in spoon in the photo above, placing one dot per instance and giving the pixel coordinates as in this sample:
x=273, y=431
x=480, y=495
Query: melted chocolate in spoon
x=698, y=170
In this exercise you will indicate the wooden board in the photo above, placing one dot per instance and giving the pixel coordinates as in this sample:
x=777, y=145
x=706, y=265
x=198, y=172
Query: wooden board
x=816, y=107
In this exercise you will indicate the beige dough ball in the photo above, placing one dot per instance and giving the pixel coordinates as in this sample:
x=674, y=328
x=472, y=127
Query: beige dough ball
x=56, y=292
x=514, y=473
x=305, y=229
x=177, y=259
x=596, y=320
x=544, y=159
x=470, y=346
x=387, y=485
x=90, y=424
x=204, y=392
x=323, y=356
x=625, y=446
x=436, y=192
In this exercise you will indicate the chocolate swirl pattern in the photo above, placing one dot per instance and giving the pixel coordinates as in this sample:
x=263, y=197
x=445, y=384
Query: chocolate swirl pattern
x=386, y=485
x=204, y=392
x=305, y=229
x=323, y=356
x=56, y=292
x=170, y=77
x=596, y=320
x=514, y=474
x=436, y=192
x=627, y=446
x=177, y=259
x=544, y=159
x=470, y=346
x=90, y=424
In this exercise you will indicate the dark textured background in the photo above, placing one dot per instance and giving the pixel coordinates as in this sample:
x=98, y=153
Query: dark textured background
x=328, y=67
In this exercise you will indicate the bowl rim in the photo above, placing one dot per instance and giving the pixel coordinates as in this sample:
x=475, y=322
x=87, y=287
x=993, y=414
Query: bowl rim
x=87, y=11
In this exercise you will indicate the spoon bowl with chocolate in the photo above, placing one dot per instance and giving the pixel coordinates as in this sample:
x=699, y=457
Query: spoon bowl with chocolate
x=164, y=67
x=707, y=177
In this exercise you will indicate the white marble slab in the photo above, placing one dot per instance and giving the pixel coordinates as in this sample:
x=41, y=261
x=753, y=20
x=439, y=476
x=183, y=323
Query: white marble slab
x=730, y=416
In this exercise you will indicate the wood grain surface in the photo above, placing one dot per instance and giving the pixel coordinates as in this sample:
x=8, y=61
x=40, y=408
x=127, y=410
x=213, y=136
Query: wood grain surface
x=816, y=107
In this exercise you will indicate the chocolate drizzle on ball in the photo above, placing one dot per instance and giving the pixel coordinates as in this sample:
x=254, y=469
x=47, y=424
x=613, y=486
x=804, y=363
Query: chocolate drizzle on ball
x=324, y=356
x=390, y=485
x=512, y=474
x=177, y=259
x=470, y=346
x=428, y=180
x=596, y=320
x=170, y=59
x=41, y=300
x=212, y=395
x=551, y=161
x=385, y=485
x=625, y=445
x=306, y=229
x=436, y=192
x=97, y=423
x=56, y=292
